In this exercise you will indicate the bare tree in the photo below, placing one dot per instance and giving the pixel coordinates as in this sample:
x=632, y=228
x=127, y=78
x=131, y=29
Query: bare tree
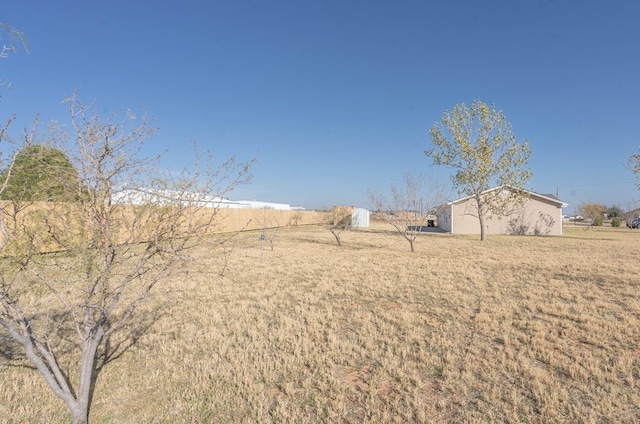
x=74, y=276
x=338, y=220
x=269, y=220
x=409, y=205
x=295, y=218
x=632, y=212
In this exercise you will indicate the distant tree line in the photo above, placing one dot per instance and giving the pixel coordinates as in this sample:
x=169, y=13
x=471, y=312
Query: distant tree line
x=595, y=214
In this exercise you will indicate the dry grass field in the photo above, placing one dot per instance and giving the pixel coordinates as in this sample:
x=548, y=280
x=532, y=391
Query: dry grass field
x=515, y=329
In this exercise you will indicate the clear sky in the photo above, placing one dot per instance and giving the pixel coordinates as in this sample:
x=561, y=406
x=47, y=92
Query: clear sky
x=334, y=97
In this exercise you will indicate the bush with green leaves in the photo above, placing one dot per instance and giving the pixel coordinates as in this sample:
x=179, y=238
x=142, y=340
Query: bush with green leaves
x=616, y=221
x=40, y=173
x=615, y=212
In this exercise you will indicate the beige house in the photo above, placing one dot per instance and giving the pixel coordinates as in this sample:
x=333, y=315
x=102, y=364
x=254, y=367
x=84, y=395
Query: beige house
x=540, y=214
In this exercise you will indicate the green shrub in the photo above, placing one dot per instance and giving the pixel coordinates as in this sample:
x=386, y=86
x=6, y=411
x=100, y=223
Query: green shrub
x=597, y=222
x=616, y=221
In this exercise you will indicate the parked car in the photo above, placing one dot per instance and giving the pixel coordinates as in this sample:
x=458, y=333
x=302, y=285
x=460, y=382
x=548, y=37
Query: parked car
x=635, y=223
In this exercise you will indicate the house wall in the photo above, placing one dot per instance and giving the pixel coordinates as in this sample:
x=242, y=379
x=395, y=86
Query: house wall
x=537, y=216
x=443, y=218
x=465, y=217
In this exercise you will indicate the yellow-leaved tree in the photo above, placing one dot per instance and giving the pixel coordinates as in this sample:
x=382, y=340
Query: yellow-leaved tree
x=478, y=143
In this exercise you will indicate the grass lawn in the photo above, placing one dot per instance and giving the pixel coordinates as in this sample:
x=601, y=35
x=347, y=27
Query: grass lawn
x=514, y=329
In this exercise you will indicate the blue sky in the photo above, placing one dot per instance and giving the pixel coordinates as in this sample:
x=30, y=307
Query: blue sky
x=335, y=98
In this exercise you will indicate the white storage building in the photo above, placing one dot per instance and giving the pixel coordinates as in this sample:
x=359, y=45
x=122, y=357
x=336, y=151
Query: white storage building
x=359, y=218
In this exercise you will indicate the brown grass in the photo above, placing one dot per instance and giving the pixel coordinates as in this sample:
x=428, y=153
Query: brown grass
x=515, y=329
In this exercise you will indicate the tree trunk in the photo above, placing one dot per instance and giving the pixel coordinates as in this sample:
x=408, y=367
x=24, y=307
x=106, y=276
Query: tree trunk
x=87, y=376
x=80, y=416
x=483, y=228
x=482, y=211
x=337, y=236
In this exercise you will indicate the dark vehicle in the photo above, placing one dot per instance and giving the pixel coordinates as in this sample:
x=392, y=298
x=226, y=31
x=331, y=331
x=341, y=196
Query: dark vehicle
x=635, y=223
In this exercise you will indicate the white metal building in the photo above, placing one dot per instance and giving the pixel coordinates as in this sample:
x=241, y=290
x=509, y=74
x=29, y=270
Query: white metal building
x=166, y=197
x=359, y=218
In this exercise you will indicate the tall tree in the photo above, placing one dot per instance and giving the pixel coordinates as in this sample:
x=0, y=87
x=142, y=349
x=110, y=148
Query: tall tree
x=478, y=143
x=74, y=276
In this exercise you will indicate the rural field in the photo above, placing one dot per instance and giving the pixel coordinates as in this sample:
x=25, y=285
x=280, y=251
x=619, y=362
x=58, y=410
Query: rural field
x=514, y=329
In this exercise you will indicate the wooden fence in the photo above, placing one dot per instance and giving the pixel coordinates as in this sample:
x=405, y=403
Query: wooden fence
x=230, y=220
x=138, y=223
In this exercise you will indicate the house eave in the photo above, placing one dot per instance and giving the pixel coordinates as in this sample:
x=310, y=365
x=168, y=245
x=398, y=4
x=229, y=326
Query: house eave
x=556, y=201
